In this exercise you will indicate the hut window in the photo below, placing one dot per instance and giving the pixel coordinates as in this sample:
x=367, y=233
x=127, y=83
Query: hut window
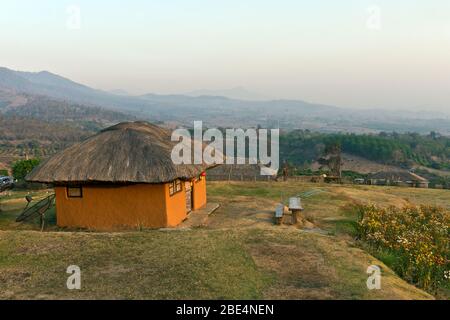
x=174, y=187
x=177, y=186
x=74, y=192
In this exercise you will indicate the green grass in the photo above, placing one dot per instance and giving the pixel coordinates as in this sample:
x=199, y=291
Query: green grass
x=20, y=194
x=12, y=206
x=344, y=226
x=193, y=264
x=151, y=265
x=270, y=190
x=224, y=261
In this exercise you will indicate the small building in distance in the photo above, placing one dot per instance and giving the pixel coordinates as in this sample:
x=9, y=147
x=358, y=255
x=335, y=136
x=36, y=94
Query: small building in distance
x=398, y=178
x=122, y=177
x=242, y=172
x=359, y=181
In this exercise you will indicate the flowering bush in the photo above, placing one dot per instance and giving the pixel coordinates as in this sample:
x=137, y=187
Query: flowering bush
x=416, y=236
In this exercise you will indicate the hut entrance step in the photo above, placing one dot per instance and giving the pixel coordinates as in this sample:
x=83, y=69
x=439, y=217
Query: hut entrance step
x=199, y=217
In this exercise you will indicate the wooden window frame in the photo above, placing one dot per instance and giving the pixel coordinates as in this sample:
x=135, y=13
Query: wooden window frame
x=175, y=186
x=74, y=187
x=178, y=186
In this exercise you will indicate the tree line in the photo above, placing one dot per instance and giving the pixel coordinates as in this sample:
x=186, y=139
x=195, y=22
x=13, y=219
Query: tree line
x=405, y=150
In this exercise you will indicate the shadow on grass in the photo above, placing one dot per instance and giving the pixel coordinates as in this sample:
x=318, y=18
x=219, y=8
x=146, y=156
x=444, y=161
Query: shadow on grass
x=10, y=210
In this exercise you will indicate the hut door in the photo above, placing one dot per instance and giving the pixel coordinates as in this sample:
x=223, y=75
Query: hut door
x=188, y=196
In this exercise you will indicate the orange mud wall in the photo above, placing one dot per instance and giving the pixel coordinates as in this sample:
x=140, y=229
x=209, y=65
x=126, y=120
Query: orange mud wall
x=176, y=206
x=113, y=207
x=199, y=193
x=131, y=206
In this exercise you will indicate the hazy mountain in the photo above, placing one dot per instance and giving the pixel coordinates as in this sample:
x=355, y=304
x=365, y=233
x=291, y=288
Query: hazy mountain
x=52, y=85
x=43, y=83
x=239, y=93
x=216, y=110
x=119, y=92
x=161, y=107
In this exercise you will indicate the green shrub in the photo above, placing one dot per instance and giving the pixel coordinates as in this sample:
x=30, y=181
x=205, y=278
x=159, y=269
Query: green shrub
x=414, y=239
x=22, y=167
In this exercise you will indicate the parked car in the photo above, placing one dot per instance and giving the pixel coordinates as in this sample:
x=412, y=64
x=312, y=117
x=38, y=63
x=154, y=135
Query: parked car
x=6, y=183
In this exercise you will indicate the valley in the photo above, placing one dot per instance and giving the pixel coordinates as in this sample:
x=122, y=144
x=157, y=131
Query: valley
x=43, y=113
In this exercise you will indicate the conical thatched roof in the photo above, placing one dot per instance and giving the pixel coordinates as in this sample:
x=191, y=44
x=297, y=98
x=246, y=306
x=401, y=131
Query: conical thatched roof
x=129, y=152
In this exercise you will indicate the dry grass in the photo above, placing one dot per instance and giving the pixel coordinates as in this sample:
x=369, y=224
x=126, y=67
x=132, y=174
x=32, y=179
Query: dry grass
x=145, y=265
x=319, y=267
x=239, y=255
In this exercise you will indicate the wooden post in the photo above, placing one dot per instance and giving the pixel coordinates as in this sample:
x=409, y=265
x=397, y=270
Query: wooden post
x=42, y=218
x=294, y=215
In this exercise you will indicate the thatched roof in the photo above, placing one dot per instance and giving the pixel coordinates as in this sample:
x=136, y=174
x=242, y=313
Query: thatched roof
x=129, y=152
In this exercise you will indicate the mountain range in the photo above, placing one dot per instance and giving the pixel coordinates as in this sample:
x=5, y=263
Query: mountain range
x=18, y=88
x=239, y=93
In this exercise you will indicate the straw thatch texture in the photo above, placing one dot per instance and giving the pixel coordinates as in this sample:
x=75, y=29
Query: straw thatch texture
x=129, y=152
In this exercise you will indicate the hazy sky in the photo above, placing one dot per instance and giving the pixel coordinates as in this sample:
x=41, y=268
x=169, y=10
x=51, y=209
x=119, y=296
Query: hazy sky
x=354, y=53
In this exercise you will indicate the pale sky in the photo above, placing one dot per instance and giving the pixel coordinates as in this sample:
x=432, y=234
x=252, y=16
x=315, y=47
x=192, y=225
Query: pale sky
x=351, y=53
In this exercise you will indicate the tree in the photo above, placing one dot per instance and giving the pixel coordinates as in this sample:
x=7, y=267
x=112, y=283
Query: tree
x=333, y=158
x=22, y=167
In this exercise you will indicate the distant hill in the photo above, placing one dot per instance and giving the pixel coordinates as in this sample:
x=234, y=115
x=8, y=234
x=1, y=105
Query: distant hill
x=119, y=92
x=37, y=125
x=52, y=110
x=409, y=150
x=217, y=111
x=360, y=165
x=239, y=93
x=42, y=83
x=22, y=137
x=42, y=113
x=180, y=108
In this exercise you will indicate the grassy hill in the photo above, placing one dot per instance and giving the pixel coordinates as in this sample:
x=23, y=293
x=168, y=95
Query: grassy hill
x=37, y=126
x=60, y=111
x=239, y=254
x=21, y=137
x=428, y=155
x=404, y=150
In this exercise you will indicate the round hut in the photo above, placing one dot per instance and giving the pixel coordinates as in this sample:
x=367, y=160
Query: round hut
x=122, y=177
